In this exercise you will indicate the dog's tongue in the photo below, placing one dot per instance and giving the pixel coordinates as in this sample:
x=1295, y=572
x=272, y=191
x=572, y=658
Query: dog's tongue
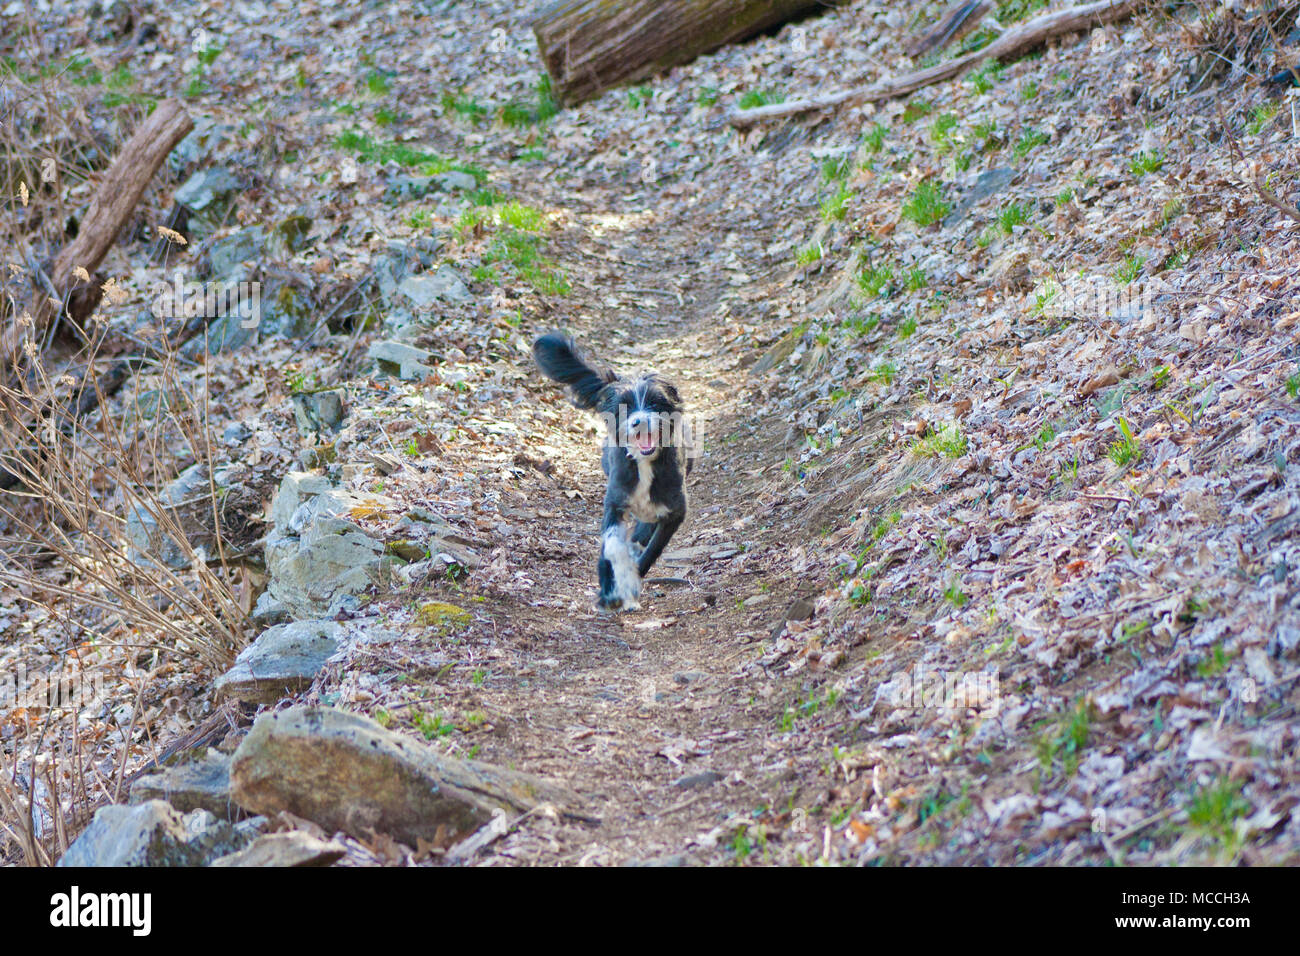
x=646, y=443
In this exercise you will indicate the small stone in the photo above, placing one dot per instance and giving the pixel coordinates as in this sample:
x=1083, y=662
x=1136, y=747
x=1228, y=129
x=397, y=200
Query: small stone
x=202, y=784
x=282, y=661
x=697, y=780
x=316, y=412
x=455, y=180
x=155, y=834
x=344, y=772
x=295, y=488
x=404, y=361
x=238, y=247
x=425, y=291
x=294, y=848
x=208, y=189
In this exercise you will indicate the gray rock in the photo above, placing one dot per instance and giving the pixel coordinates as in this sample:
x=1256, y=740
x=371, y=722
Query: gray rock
x=287, y=310
x=321, y=561
x=455, y=180
x=695, y=781
x=209, y=190
x=404, y=361
x=779, y=352
x=290, y=234
x=282, y=661
x=229, y=329
x=294, y=848
x=403, y=188
x=189, y=503
x=425, y=291
x=234, y=249
x=345, y=772
x=268, y=611
x=988, y=183
x=671, y=859
x=317, y=412
x=296, y=488
x=198, y=144
x=236, y=433
x=202, y=784
x=155, y=834
x=401, y=259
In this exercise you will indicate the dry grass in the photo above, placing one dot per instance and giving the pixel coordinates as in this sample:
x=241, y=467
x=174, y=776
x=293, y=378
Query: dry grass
x=94, y=613
x=99, y=600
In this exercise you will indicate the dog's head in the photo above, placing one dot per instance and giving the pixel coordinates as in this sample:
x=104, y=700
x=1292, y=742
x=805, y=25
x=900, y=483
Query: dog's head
x=643, y=416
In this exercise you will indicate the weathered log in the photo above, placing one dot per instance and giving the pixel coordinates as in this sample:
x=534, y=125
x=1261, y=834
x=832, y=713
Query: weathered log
x=115, y=200
x=591, y=45
x=1014, y=42
x=960, y=19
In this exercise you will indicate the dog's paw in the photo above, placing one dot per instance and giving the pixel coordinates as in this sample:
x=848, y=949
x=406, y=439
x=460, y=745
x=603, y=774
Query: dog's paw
x=613, y=604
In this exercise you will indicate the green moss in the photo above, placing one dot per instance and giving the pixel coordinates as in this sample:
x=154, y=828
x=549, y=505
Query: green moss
x=442, y=618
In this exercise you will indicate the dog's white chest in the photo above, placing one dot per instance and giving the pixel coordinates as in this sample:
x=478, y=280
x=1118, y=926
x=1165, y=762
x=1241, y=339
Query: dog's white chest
x=639, y=503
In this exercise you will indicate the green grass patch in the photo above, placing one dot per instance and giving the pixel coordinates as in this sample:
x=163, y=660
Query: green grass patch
x=835, y=206
x=1147, y=161
x=381, y=153
x=809, y=254
x=874, y=140
x=1215, y=809
x=947, y=442
x=926, y=205
x=1130, y=268
x=1012, y=215
x=916, y=109
x=532, y=112
x=1029, y=140
x=1124, y=450
x=876, y=281
x=1261, y=116
x=752, y=99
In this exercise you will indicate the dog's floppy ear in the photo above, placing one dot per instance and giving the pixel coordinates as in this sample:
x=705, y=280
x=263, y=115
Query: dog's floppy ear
x=607, y=400
x=670, y=392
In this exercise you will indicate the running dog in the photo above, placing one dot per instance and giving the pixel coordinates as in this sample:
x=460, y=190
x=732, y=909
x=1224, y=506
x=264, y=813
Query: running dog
x=647, y=454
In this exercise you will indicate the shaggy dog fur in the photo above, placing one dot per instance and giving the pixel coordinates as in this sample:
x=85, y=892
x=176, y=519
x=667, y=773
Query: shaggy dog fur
x=645, y=459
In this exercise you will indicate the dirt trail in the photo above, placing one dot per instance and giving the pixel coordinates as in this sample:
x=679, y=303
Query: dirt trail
x=648, y=712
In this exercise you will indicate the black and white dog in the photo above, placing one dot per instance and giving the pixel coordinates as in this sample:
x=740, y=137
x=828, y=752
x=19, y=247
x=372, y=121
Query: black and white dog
x=648, y=451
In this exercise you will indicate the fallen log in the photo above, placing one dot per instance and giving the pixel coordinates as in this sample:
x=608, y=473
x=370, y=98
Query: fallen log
x=1015, y=42
x=960, y=19
x=589, y=46
x=115, y=200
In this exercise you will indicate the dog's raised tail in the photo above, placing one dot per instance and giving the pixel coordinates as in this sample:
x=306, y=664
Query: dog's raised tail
x=557, y=356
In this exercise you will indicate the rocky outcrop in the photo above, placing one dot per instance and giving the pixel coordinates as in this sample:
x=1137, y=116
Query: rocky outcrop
x=282, y=661
x=202, y=784
x=318, y=559
x=154, y=833
x=344, y=772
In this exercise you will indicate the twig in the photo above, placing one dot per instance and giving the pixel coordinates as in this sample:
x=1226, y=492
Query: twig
x=1014, y=41
x=1253, y=177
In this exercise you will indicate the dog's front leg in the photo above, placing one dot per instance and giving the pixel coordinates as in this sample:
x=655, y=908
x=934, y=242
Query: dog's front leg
x=616, y=571
x=663, y=530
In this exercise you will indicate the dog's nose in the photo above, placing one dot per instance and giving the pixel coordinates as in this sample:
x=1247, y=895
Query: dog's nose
x=639, y=421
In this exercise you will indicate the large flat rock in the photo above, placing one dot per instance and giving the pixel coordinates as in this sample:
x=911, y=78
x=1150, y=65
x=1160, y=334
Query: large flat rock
x=344, y=772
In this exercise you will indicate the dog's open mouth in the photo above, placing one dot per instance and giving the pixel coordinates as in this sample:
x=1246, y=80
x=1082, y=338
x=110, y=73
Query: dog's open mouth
x=644, y=442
